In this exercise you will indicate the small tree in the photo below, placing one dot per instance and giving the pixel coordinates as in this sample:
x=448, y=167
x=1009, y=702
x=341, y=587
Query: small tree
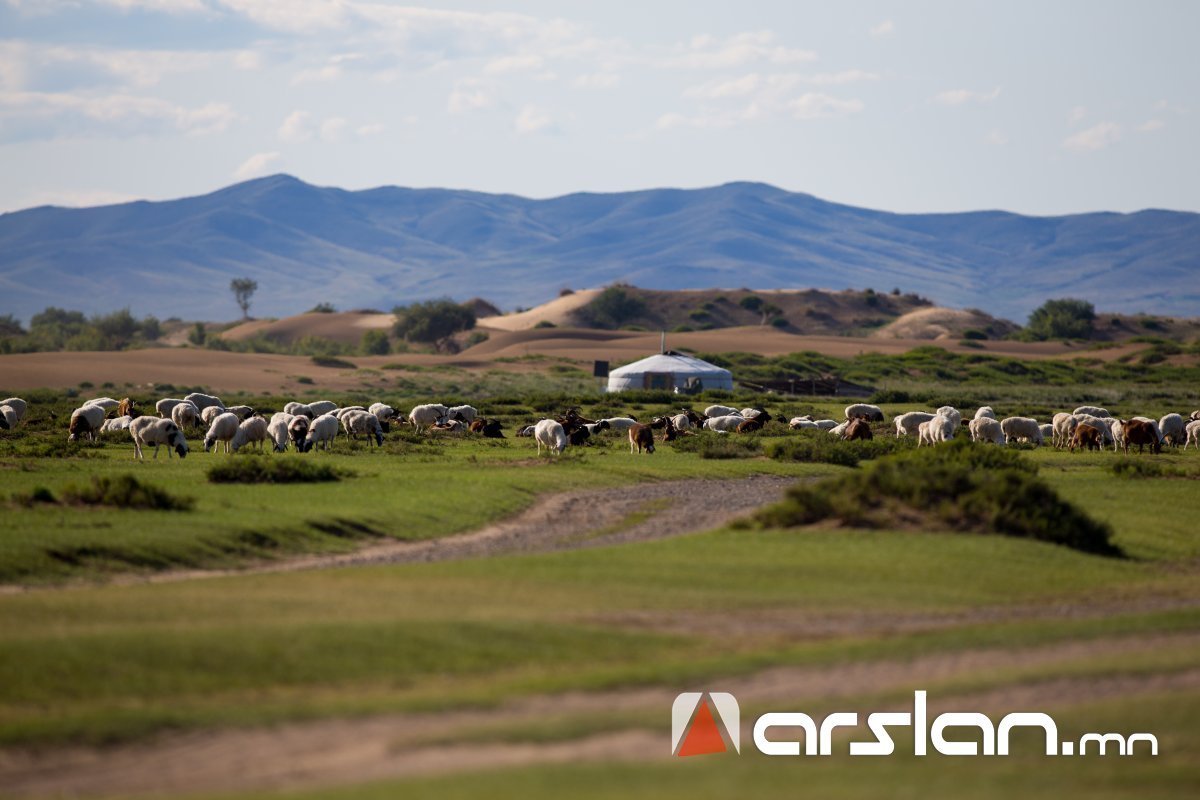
x=197, y=334
x=1064, y=318
x=432, y=322
x=613, y=307
x=243, y=289
x=375, y=343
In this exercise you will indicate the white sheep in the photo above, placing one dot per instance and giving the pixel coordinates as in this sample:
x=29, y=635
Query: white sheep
x=320, y=407
x=724, y=424
x=985, y=411
x=951, y=413
x=620, y=423
x=872, y=413
x=1021, y=428
x=1064, y=425
x=680, y=421
x=277, y=429
x=300, y=410
x=363, y=422
x=8, y=418
x=252, y=430
x=986, y=429
x=157, y=431
x=118, y=423
x=339, y=413
x=1193, y=434
x=203, y=401
x=107, y=403
x=85, y=421
x=322, y=431
x=18, y=405
x=222, y=429
x=1172, y=428
x=751, y=413
x=382, y=411
x=465, y=414
x=720, y=411
x=426, y=415
x=839, y=429
x=1047, y=431
x=550, y=433
x=1104, y=424
x=243, y=412
x=939, y=429
x=1092, y=411
x=827, y=424
x=164, y=406
x=185, y=415
x=906, y=424
x=801, y=423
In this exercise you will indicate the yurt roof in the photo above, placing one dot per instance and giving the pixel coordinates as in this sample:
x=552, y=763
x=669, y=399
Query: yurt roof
x=671, y=362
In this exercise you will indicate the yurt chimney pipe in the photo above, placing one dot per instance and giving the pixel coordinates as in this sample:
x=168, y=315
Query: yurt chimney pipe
x=662, y=347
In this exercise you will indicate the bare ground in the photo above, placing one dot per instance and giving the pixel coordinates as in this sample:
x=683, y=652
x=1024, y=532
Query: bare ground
x=332, y=752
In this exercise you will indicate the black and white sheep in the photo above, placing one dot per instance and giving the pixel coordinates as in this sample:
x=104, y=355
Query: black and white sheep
x=85, y=421
x=156, y=431
x=872, y=413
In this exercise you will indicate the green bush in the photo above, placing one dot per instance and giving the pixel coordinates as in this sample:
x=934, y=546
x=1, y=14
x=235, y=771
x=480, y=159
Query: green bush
x=330, y=361
x=125, y=491
x=819, y=446
x=275, y=469
x=374, y=343
x=720, y=447
x=612, y=308
x=959, y=486
x=1062, y=319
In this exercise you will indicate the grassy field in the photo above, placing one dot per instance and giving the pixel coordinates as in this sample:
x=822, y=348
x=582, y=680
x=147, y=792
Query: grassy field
x=111, y=664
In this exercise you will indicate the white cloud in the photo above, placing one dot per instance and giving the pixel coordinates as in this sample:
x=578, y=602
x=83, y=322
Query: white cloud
x=843, y=77
x=1151, y=125
x=735, y=87
x=469, y=95
x=371, y=129
x=515, y=63
x=247, y=60
x=956, y=97
x=598, y=80
x=295, y=127
x=48, y=115
x=814, y=105
x=1077, y=114
x=532, y=119
x=1094, y=138
x=706, y=52
x=884, y=28
x=764, y=105
x=996, y=138
x=332, y=128
x=255, y=165
x=77, y=198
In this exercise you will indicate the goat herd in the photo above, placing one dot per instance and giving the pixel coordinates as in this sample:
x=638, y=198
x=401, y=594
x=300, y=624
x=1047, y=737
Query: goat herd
x=316, y=424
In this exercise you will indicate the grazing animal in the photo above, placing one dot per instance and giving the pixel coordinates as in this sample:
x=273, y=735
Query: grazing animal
x=300, y=410
x=298, y=431
x=839, y=429
x=319, y=407
x=492, y=429
x=1195, y=414
x=985, y=411
x=252, y=430
x=800, y=423
x=670, y=432
x=341, y=412
x=363, y=422
x=1141, y=433
x=17, y=405
x=939, y=429
x=321, y=432
x=8, y=418
x=550, y=433
x=185, y=415
x=525, y=431
x=1193, y=434
x=872, y=413
x=448, y=426
x=598, y=427
x=1107, y=426
x=618, y=423
x=578, y=437
x=906, y=424
x=427, y=415
x=859, y=428
x=164, y=406
x=720, y=411
x=203, y=401
x=1021, y=428
x=749, y=425
x=85, y=421
x=642, y=438
x=986, y=429
x=243, y=412
x=951, y=413
x=1064, y=426
x=157, y=431
x=753, y=413
x=128, y=408
x=114, y=424
x=222, y=429
x=207, y=415
x=1086, y=437
x=1092, y=411
x=462, y=413
x=107, y=403
x=1172, y=430
x=277, y=429
x=382, y=411
x=724, y=424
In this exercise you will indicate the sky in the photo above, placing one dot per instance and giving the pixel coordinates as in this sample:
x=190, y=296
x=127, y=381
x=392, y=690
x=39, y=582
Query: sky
x=1034, y=107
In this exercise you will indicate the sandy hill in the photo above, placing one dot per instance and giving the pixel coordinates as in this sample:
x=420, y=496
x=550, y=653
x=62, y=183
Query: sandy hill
x=346, y=326
x=944, y=323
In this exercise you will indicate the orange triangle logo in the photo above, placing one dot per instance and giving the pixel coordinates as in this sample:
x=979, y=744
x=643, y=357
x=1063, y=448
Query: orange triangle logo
x=704, y=736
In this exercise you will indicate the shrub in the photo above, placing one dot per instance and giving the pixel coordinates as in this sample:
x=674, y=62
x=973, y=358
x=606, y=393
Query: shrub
x=125, y=491
x=959, y=486
x=322, y=308
x=819, y=446
x=974, y=333
x=374, y=343
x=891, y=396
x=330, y=361
x=433, y=321
x=545, y=324
x=613, y=308
x=259, y=469
x=1062, y=319
x=720, y=447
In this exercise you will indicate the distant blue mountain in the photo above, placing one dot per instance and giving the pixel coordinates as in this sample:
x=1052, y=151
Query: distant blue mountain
x=306, y=244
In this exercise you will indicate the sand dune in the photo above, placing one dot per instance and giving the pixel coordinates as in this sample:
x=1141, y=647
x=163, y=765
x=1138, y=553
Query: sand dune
x=345, y=326
x=942, y=323
x=557, y=312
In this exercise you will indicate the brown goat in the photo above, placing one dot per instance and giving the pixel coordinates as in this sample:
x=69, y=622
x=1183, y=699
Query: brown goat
x=749, y=426
x=641, y=437
x=859, y=428
x=1086, y=437
x=128, y=408
x=1141, y=433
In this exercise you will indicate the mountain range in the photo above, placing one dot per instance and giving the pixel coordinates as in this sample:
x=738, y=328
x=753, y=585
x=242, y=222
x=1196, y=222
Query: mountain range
x=376, y=248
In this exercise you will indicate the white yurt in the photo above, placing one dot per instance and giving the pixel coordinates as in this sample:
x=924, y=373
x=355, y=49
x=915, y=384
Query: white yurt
x=670, y=370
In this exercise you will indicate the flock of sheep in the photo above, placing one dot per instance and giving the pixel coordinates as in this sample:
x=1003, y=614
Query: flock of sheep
x=305, y=426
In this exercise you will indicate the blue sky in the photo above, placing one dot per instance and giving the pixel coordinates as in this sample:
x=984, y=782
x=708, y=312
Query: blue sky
x=1035, y=107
